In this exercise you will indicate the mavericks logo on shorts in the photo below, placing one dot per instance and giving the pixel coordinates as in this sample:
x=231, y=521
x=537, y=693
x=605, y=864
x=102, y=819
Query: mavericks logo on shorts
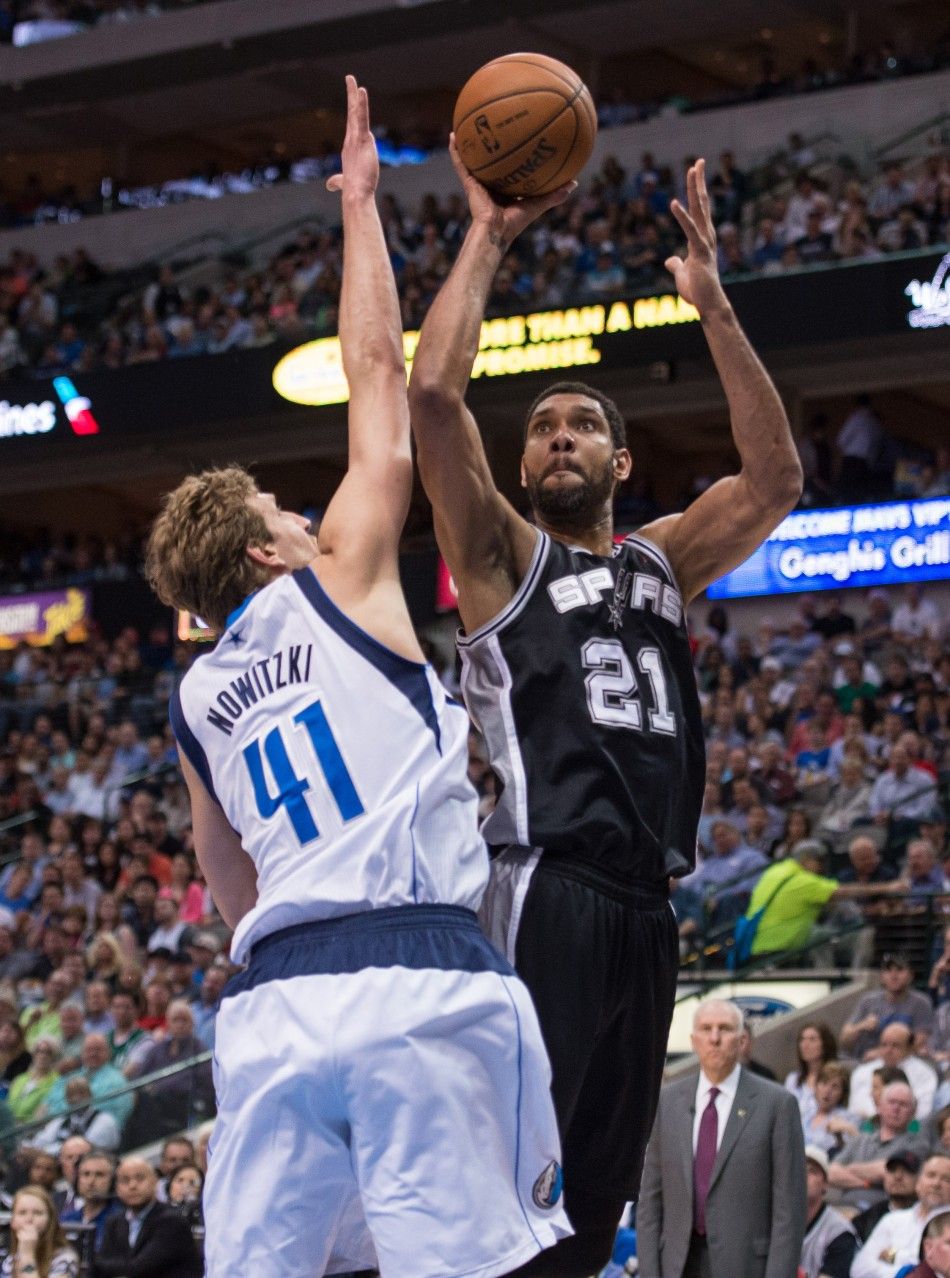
x=548, y=1186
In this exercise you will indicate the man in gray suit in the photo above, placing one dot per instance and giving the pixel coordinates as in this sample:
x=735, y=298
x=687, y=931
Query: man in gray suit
x=723, y=1192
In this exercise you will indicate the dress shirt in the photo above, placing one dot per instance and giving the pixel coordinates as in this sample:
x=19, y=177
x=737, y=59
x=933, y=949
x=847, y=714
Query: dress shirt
x=727, y=1094
x=136, y=1219
x=896, y=1234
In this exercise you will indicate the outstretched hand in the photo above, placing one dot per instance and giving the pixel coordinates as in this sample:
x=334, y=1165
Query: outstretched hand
x=505, y=221
x=359, y=155
x=697, y=275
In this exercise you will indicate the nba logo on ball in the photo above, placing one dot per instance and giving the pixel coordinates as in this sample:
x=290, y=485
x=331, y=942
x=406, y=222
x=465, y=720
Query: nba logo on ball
x=524, y=124
x=548, y=1186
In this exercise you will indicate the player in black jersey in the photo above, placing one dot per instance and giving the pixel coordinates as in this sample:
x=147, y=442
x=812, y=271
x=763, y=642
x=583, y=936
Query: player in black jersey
x=576, y=668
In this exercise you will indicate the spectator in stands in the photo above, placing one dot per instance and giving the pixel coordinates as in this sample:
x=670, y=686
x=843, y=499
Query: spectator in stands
x=896, y=1050
x=43, y=1020
x=859, y=443
x=177, y=1151
x=83, y=1119
x=78, y=888
x=900, y=1186
x=922, y=876
x=178, y=1098
x=14, y=1055
x=131, y=754
x=72, y=1037
x=830, y=1241
x=816, y=1045
x=94, y=1176
x=830, y=1123
x=848, y=805
x=74, y=1149
x=139, y=911
x=38, y=1245
x=866, y=866
x=935, y=1249
x=42, y=1169
x=207, y=1004
x=892, y=192
x=170, y=931
x=204, y=948
x=894, y=1002
x=917, y=617
x=105, y=1081
x=148, y=1239
x=902, y=792
x=815, y=245
x=129, y=1044
x=184, y=1193
x=731, y=871
x=857, y=1172
x=797, y=830
x=895, y=1239
x=939, y=981
x=791, y=895
x=29, y=1090
x=98, y=1019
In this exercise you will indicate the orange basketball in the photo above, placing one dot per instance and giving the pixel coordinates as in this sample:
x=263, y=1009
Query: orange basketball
x=524, y=124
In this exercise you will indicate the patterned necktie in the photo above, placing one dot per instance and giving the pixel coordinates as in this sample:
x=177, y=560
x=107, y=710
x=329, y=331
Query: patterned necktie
x=703, y=1160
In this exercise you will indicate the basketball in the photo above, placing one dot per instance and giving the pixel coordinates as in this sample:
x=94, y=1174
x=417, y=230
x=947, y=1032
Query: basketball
x=524, y=124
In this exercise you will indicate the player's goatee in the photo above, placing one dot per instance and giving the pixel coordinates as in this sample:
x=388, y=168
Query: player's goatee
x=571, y=504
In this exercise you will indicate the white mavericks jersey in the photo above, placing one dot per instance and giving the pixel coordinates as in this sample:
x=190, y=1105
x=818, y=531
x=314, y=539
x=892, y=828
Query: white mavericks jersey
x=342, y=765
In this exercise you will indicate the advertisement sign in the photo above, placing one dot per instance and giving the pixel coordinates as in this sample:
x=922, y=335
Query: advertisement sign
x=40, y=416
x=759, y=1000
x=539, y=342
x=897, y=541
x=38, y=619
x=931, y=299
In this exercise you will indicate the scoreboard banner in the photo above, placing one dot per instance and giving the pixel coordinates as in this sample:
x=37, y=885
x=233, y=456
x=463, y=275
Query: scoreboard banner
x=874, y=545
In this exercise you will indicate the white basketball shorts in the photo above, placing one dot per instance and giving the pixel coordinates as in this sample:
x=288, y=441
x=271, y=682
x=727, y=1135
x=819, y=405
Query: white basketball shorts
x=383, y=1100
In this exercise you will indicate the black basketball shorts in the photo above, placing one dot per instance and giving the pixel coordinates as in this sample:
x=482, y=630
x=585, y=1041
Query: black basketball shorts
x=600, y=959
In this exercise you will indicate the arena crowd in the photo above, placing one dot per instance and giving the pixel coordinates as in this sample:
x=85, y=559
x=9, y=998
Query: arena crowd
x=610, y=239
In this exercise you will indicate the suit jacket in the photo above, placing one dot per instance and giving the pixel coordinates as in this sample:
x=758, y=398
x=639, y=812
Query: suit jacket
x=163, y=1249
x=755, y=1212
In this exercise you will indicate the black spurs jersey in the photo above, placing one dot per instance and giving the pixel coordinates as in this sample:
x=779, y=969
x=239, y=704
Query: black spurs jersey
x=584, y=691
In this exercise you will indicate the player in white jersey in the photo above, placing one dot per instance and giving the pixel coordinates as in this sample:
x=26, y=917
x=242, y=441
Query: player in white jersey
x=383, y=1090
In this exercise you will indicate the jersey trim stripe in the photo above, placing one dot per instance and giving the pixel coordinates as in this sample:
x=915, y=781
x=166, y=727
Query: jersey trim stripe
x=518, y=599
x=518, y=1117
x=190, y=743
x=649, y=548
x=517, y=902
x=518, y=775
x=409, y=677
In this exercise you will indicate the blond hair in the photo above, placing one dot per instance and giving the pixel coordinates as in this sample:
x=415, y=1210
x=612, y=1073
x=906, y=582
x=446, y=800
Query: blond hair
x=196, y=555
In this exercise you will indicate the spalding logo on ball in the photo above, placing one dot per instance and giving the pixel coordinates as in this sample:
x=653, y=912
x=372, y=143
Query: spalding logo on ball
x=524, y=124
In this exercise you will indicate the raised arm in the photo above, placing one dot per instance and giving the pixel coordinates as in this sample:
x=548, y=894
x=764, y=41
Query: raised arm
x=733, y=517
x=364, y=520
x=486, y=545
